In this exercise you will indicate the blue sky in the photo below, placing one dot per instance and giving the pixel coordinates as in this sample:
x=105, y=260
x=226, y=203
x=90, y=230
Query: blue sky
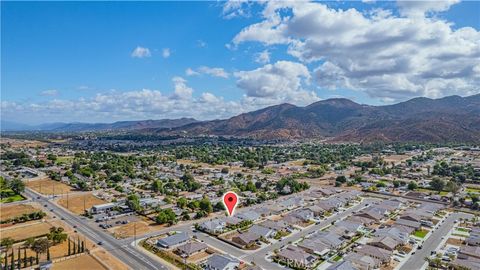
x=109, y=61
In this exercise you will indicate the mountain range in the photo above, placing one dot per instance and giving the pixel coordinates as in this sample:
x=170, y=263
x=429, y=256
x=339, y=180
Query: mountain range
x=82, y=127
x=448, y=119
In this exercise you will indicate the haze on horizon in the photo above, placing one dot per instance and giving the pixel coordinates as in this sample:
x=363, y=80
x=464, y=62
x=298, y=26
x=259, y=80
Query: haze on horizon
x=117, y=61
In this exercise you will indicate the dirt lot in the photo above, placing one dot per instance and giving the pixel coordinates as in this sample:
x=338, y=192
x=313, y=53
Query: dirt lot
x=454, y=241
x=76, y=202
x=84, y=262
x=11, y=211
x=109, y=260
x=28, y=229
x=396, y=158
x=128, y=230
x=49, y=187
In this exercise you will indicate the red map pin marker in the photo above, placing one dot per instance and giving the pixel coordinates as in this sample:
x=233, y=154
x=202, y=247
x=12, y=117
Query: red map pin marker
x=230, y=200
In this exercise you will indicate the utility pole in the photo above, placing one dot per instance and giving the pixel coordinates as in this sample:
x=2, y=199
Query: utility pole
x=135, y=234
x=67, y=199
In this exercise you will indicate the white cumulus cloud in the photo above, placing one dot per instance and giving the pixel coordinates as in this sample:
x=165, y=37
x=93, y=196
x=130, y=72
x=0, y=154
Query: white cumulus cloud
x=211, y=71
x=282, y=81
x=141, y=52
x=389, y=57
x=166, y=52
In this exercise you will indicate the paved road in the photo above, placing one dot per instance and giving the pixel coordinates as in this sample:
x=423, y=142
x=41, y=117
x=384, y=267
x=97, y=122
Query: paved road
x=417, y=260
x=124, y=252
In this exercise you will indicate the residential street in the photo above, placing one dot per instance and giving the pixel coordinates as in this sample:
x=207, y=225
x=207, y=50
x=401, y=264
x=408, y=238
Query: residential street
x=417, y=261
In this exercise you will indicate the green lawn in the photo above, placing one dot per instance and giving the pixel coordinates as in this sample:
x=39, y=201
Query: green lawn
x=473, y=190
x=13, y=198
x=67, y=159
x=337, y=258
x=463, y=230
x=420, y=233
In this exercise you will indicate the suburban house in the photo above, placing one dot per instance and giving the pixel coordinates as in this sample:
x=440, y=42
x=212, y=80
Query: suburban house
x=277, y=226
x=245, y=239
x=331, y=239
x=314, y=247
x=214, y=226
x=397, y=233
x=316, y=210
x=363, y=262
x=385, y=242
x=347, y=229
x=221, y=262
x=469, y=251
x=191, y=248
x=374, y=213
x=249, y=215
x=474, y=238
x=297, y=257
x=408, y=223
x=303, y=214
x=173, y=240
x=262, y=231
x=380, y=254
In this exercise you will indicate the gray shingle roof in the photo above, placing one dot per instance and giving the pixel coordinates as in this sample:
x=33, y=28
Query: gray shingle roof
x=172, y=240
x=217, y=261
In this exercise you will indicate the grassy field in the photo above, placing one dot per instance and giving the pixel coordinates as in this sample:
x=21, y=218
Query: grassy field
x=49, y=187
x=76, y=202
x=473, y=190
x=65, y=159
x=11, y=211
x=337, y=258
x=13, y=198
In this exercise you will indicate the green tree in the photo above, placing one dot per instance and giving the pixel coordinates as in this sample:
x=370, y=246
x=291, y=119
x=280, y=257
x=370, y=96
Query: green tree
x=166, y=216
x=157, y=186
x=17, y=185
x=206, y=205
x=57, y=235
x=251, y=187
x=412, y=185
x=133, y=202
x=452, y=187
x=40, y=246
x=182, y=202
x=342, y=179
x=437, y=184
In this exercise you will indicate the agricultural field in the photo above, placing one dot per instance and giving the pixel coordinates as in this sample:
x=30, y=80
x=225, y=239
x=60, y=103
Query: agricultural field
x=77, y=203
x=49, y=187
